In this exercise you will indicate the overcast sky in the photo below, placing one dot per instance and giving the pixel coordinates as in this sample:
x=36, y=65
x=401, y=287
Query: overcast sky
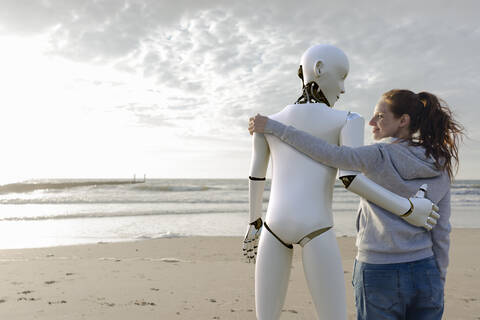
x=116, y=88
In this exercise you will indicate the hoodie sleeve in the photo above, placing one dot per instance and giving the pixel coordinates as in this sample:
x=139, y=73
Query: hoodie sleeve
x=441, y=235
x=364, y=159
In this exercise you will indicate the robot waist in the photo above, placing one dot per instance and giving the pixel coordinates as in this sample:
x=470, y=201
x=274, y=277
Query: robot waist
x=291, y=227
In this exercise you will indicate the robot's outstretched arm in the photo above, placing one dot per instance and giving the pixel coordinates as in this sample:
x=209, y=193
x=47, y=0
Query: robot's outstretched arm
x=418, y=210
x=256, y=185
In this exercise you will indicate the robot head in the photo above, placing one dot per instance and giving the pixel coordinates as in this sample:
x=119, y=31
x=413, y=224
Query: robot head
x=327, y=67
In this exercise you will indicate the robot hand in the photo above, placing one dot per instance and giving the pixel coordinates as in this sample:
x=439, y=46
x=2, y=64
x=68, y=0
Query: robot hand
x=250, y=243
x=422, y=213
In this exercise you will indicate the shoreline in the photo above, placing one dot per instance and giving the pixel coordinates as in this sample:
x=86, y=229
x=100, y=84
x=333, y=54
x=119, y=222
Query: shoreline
x=126, y=241
x=184, y=278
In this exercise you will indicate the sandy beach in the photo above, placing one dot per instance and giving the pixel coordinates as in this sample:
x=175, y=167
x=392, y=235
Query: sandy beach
x=184, y=278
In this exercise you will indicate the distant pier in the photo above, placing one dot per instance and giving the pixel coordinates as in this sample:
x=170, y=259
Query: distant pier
x=139, y=181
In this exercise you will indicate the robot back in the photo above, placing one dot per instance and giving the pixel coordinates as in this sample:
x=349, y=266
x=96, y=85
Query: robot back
x=302, y=189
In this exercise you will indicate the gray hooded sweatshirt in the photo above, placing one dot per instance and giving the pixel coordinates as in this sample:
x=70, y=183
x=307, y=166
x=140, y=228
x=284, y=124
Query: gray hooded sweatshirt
x=383, y=237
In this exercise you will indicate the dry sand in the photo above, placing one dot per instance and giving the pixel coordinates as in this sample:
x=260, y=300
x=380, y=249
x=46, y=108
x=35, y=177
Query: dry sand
x=184, y=278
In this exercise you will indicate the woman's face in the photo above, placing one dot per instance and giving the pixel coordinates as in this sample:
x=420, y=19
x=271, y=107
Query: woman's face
x=384, y=122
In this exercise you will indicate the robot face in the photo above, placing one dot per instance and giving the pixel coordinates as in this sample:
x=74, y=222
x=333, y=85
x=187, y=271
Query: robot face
x=328, y=67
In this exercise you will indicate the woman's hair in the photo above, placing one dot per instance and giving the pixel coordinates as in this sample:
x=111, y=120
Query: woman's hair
x=431, y=125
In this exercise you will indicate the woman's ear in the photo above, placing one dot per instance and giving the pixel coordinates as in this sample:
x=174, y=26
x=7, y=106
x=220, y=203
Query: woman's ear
x=404, y=120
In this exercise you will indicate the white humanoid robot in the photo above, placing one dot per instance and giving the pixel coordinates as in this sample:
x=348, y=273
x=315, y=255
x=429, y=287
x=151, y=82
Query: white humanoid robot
x=300, y=205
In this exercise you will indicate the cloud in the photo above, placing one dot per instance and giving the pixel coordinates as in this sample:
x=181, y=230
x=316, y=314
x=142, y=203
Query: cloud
x=94, y=29
x=218, y=62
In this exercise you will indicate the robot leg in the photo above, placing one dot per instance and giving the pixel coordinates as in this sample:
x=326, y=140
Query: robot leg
x=272, y=272
x=323, y=269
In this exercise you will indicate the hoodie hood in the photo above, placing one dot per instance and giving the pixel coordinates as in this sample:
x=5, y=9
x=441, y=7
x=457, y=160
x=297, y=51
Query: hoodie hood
x=410, y=161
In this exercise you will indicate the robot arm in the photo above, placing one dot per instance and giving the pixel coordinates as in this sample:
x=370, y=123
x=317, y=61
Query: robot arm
x=418, y=210
x=256, y=184
x=351, y=136
x=258, y=170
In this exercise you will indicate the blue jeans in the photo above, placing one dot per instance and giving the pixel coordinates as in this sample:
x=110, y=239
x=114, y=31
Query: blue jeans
x=407, y=291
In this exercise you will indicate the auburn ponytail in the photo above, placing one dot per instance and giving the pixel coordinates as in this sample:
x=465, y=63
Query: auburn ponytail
x=432, y=125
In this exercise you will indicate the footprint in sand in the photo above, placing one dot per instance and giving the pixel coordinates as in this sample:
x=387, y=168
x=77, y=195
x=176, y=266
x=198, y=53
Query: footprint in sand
x=25, y=292
x=102, y=302
x=290, y=310
x=143, y=303
x=110, y=259
x=27, y=299
x=170, y=260
x=108, y=304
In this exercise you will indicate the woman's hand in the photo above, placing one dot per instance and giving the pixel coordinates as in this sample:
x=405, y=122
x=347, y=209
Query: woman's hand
x=257, y=124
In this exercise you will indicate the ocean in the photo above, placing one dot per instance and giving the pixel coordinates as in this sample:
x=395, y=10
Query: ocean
x=44, y=213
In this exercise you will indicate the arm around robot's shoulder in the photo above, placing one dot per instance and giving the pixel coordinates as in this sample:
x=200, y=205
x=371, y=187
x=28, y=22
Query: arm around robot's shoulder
x=333, y=155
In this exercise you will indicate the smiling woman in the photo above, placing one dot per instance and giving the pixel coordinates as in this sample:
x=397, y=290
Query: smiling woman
x=386, y=124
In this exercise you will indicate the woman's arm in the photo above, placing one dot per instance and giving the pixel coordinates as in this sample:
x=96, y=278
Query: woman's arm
x=364, y=159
